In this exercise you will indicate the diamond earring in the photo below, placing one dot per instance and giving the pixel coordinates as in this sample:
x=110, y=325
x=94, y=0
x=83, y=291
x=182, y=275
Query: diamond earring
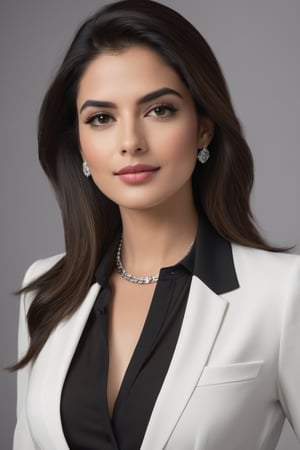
x=86, y=169
x=203, y=155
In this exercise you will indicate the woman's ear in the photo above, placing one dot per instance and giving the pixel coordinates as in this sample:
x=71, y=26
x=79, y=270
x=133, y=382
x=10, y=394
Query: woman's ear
x=206, y=129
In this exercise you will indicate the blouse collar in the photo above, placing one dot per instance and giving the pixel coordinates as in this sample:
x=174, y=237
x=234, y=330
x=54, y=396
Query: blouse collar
x=209, y=259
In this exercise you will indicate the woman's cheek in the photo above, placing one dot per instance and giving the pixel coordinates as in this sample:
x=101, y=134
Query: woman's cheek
x=179, y=141
x=91, y=147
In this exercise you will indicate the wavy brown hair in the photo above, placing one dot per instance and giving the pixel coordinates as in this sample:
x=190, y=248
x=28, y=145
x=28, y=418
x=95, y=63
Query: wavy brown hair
x=221, y=188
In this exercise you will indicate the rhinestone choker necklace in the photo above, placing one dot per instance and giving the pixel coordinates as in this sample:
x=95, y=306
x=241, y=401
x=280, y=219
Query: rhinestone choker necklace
x=128, y=276
x=132, y=278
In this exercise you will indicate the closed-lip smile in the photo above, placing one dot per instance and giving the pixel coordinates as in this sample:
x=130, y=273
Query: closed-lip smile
x=137, y=174
x=137, y=168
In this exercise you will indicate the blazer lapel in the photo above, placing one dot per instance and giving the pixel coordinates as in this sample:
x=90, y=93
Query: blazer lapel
x=202, y=321
x=51, y=368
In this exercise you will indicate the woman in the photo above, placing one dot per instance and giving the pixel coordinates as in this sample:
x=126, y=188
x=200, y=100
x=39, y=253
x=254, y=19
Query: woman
x=169, y=322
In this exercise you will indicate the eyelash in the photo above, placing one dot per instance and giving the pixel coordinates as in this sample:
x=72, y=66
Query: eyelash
x=93, y=117
x=164, y=106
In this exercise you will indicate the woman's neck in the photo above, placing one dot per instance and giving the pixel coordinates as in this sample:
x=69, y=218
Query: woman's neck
x=157, y=238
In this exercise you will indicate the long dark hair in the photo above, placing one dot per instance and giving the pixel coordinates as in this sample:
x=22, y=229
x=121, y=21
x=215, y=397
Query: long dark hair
x=221, y=188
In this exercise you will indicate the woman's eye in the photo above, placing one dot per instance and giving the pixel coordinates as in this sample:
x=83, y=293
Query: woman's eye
x=162, y=111
x=99, y=119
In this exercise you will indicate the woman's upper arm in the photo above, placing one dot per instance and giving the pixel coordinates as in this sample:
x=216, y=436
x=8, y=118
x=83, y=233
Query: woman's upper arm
x=22, y=436
x=23, y=344
x=289, y=358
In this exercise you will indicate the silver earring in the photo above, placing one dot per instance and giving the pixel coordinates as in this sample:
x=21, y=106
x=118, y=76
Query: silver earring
x=203, y=155
x=86, y=169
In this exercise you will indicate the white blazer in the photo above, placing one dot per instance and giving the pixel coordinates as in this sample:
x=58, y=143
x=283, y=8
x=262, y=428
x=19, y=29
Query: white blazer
x=233, y=379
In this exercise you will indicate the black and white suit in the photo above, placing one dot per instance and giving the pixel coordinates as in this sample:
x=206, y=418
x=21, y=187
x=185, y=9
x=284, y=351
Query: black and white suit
x=235, y=373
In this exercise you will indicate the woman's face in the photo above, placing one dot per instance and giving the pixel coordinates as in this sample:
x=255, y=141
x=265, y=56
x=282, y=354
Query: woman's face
x=138, y=128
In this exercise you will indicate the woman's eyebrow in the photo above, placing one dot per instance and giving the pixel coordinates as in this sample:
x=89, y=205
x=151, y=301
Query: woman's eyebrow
x=97, y=104
x=146, y=98
x=155, y=94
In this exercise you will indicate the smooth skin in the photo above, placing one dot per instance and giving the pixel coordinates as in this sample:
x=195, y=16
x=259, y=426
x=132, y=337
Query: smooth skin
x=133, y=109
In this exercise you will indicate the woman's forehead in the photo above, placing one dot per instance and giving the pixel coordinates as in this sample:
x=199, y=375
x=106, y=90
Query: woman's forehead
x=133, y=71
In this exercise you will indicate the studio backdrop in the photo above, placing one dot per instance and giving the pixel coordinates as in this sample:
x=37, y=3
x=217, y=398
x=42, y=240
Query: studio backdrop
x=257, y=43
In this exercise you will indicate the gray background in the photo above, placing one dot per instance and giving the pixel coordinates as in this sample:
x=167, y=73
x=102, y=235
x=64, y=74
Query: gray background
x=258, y=45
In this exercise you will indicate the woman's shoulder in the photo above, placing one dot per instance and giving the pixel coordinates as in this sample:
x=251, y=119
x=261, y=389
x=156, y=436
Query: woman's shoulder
x=275, y=256
x=39, y=267
x=266, y=264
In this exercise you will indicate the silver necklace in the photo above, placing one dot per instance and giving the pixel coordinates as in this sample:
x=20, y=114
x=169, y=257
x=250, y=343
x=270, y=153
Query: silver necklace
x=128, y=276
x=133, y=278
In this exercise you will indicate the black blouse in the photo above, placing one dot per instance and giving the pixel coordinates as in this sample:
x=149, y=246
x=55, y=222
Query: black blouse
x=84, y=410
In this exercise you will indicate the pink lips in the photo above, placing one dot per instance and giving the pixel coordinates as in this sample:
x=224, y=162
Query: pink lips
x=136, y=173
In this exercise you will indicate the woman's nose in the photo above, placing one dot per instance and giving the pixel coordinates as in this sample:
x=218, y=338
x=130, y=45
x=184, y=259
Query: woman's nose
x=132, y=150
x=132, y=139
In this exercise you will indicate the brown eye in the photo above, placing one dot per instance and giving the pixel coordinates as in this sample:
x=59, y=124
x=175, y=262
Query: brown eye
x=162, y=111
x=99, y=119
